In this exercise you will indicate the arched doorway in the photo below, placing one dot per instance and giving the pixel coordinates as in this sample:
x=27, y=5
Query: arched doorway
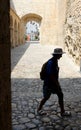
x=11, y=30
x=18, y=33
x=15, y=33
x=32, y=31
x=32, y=23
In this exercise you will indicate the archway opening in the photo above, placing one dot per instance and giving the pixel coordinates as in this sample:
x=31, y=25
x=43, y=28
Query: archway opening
x=32, y=24
x=32, y=31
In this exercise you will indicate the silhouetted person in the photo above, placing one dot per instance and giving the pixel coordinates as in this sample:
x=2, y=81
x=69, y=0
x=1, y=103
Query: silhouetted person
x=51, y=84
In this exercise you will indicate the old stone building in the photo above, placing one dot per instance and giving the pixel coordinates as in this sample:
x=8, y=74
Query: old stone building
x=47, y=13
x=51, y=15
x=59, y=23
x=16, y=28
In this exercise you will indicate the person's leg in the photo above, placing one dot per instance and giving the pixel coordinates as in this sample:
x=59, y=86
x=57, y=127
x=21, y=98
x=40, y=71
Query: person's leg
x=42, y=103
x=46, y=95
x=61, y=102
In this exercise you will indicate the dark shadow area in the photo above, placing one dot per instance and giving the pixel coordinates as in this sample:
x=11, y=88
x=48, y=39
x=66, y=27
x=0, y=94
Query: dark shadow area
x=17, y=54
x=70, y=86
x=26, y=95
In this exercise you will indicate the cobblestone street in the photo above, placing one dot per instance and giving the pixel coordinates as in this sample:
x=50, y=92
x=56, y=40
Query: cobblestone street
x=26, y=87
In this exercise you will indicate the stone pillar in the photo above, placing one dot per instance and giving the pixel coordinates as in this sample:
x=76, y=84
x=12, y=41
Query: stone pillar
x=5, y=85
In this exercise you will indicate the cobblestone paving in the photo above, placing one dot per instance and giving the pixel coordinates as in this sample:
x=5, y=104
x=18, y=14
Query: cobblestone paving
x=26, y=90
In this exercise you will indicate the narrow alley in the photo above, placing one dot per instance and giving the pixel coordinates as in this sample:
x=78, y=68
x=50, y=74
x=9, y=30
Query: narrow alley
x=26, y=87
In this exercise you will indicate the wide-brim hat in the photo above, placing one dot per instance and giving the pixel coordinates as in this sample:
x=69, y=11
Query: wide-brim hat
x=58, y=51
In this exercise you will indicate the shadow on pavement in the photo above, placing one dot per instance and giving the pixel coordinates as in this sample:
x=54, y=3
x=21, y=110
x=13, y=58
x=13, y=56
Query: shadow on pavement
x=26, y=94
x=17, y=54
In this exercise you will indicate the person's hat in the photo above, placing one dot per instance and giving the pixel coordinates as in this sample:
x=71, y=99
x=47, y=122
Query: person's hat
x=58, y=51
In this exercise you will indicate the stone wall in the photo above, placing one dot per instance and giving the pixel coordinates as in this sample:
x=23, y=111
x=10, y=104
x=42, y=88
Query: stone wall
x=5, y=85
x=73, y=29
x=16, y=29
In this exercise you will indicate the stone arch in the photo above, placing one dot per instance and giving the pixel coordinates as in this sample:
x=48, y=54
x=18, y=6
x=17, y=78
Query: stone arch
x=11, y=21
x=11, y=30
x=32, y=17
x=18, y=33
x=15, y=32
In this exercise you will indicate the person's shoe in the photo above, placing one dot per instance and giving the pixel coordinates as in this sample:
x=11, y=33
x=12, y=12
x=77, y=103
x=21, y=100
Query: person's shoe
x=66, y=114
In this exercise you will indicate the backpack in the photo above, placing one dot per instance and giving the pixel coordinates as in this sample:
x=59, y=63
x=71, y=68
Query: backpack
x=43, y=71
